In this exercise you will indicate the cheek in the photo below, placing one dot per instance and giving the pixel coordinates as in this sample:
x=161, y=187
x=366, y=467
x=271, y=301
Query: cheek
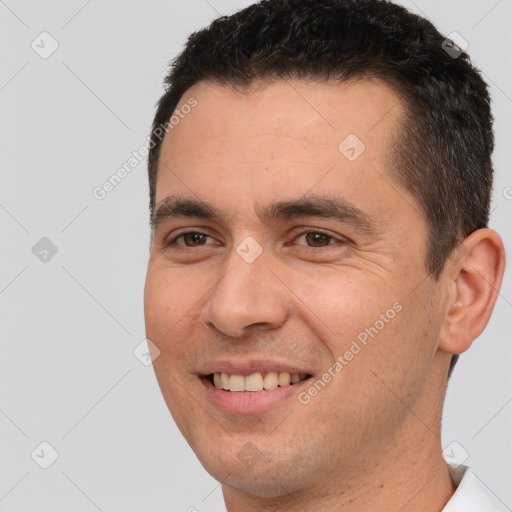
x=168, y=303
x=369, y=325
x=345, y=305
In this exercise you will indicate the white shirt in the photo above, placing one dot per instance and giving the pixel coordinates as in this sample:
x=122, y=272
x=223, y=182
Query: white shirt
x=470, y=495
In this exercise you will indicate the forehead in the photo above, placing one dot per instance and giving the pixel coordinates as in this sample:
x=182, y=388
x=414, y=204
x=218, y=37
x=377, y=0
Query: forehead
x=280, y=139
x=316, y=112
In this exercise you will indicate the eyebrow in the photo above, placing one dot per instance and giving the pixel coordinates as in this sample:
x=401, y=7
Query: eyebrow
x=321, y=206
x=176, y=207
x=326, y=207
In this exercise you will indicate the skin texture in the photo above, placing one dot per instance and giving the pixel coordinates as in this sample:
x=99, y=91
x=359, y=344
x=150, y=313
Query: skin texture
x=369, y=440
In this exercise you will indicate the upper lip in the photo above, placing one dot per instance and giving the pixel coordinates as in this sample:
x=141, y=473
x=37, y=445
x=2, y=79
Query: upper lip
x=249, y=366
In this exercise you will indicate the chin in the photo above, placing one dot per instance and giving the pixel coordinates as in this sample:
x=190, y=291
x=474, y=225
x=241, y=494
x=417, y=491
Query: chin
x=264, y=475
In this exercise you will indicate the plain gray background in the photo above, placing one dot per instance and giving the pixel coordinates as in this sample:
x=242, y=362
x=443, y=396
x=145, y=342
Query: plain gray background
x=71, y=321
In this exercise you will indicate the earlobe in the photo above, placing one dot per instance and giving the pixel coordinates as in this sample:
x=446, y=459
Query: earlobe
x=474, y=280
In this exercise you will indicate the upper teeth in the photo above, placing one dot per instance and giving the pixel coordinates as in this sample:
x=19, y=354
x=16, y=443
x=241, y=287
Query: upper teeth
x=256, y=381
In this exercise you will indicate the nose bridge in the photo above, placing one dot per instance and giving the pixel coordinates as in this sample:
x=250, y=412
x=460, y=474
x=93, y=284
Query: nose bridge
x=247, y=294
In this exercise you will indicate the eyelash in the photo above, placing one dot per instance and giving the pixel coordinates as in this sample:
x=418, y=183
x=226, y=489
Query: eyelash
x=302, y=233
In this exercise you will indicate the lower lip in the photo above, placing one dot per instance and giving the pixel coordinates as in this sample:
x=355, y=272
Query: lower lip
x=250, y=401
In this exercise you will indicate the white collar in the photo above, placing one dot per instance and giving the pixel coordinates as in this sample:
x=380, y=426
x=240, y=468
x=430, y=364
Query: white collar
x=470, y=495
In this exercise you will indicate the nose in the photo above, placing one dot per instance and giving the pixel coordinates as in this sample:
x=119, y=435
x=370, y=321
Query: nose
x=246, y=295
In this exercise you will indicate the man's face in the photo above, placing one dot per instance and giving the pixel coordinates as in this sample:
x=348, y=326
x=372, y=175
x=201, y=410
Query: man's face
x=251, y=286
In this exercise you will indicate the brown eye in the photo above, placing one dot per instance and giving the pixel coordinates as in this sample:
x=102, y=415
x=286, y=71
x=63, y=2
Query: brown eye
x=193, y=239
x=318, y=239
x=190, y=239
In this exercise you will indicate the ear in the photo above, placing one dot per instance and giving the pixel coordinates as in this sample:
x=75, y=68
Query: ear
x=474, y=273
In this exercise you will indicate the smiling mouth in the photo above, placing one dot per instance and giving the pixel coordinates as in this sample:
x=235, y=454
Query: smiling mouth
x=256, y=381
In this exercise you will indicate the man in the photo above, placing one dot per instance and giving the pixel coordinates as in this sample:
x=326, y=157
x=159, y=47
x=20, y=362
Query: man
x=320, y=178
